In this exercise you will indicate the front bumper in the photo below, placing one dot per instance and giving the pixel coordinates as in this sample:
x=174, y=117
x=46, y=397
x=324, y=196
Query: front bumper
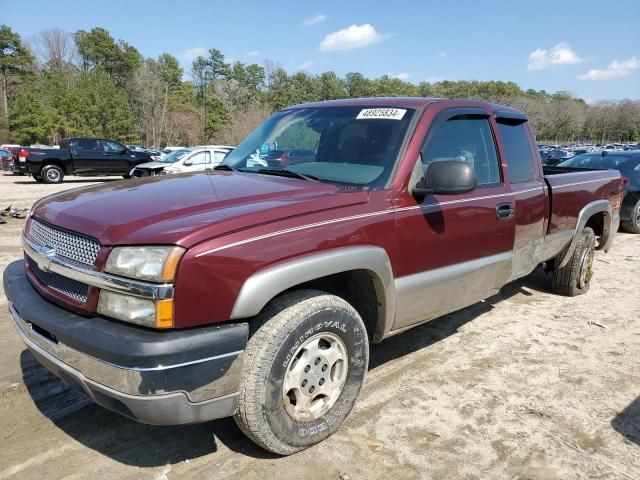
x=160, y=378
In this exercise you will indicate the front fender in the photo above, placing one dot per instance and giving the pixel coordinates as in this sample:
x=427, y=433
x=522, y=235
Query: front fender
x=264, y=285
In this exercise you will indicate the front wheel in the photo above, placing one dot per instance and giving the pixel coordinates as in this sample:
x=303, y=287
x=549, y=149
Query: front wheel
x=303, y=370
x=575, y=277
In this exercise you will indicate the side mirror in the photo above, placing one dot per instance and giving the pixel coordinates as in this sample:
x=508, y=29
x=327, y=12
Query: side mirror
x=188, y=163
x=446, y=177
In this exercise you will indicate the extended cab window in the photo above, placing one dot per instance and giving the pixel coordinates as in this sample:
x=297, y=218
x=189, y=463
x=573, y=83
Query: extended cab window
x=517, y=148
x=88, y=145
x=467, y=139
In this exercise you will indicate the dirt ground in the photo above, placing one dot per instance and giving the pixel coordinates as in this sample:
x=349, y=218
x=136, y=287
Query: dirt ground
x=526, y=385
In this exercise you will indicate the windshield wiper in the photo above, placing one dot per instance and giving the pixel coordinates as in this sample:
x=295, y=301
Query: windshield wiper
x=283, y=172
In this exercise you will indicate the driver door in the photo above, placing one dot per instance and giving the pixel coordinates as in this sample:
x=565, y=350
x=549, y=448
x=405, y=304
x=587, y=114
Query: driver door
x=87, y=155
x=457, y=248
x=115, y=157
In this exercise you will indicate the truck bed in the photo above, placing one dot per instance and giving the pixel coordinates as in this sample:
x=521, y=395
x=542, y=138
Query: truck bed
x=571, y=189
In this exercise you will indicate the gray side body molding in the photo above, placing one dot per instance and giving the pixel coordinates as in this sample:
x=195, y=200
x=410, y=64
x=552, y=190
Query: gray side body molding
x=585, y=214
x=264, y=285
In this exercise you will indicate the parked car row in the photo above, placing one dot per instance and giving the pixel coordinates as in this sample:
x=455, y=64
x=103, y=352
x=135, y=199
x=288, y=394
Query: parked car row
x=192, y=159
x=554, y=154
x=100, y=156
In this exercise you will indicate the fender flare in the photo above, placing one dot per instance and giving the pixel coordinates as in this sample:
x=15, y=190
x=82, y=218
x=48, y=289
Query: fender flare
x=266, y=284
x=590, y=209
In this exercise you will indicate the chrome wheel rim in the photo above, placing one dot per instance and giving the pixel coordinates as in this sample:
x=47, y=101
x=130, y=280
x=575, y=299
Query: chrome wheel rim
x=315, y=377
x=638, y=216
x=586, y=268
x=53, y=175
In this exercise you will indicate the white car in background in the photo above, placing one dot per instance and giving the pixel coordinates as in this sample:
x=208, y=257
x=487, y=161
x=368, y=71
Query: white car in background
x=201, y=158
x=192, y=159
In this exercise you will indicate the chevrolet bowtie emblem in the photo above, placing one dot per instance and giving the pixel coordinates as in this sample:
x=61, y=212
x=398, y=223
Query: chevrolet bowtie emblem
x=48, y=253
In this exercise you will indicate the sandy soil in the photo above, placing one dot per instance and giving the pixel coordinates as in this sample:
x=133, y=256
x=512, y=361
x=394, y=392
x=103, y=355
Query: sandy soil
x=526, y=385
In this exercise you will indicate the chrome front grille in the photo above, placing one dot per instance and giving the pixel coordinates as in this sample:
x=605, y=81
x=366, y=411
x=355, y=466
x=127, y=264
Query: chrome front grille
x=71, y=246
x=71, y=288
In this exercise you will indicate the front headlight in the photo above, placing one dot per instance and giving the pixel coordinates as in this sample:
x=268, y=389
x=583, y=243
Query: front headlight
x=155, y=264
x=148, y=313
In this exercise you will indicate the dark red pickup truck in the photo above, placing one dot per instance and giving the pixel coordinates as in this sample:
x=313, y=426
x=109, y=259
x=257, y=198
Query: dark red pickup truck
x=254, y=291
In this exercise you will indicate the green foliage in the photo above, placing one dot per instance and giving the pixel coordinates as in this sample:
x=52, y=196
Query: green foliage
x=15, y=60
x=114, y=92
x=14, y=56
x=170, y=71
x=217, y=116
x=98, y=49
x=30, y=120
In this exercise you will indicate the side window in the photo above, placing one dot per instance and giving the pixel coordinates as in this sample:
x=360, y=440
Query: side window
x=110, y=146
x=467, y=139
x=88, y=145
x=518, y=151
x=200, y=158
x=219, y=155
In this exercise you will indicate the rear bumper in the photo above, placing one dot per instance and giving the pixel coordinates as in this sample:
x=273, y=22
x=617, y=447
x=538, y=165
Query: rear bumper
x=161, y=378
x=20, y=168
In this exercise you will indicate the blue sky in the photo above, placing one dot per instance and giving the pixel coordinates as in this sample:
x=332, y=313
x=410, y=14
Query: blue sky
x=591, y=48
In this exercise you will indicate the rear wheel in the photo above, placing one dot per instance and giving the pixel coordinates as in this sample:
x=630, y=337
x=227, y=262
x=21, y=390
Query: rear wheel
x=52, y=174
x=302, y=372
x=575, y=277
x=633, y=224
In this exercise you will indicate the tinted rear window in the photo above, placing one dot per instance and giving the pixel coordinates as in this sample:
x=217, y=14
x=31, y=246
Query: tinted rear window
x=88, y=144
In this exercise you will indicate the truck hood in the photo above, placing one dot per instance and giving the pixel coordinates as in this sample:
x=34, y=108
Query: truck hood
x=185, y=209
x=153, y=165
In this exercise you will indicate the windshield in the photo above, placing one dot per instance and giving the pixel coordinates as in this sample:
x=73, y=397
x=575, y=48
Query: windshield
x=174, y=156
x=347, y=145
x=607, y=162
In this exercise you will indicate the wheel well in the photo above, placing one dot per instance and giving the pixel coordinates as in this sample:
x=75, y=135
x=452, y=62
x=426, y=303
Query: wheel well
x=57, y=163
x=358, y=288
x=596, y=222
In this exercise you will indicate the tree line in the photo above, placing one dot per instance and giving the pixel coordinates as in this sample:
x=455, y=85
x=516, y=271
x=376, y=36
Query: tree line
x=87, y=83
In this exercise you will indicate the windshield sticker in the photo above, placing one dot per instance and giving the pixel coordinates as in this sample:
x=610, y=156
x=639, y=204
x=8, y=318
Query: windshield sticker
x=381, y=113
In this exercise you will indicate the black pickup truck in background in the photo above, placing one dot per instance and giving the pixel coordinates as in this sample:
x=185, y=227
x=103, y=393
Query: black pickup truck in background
x=77, y=156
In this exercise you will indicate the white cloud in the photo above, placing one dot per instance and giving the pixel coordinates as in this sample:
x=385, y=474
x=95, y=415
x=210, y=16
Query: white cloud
x=190, y=54
x=433, y=79
x=559, y=54
x=615, y=69
x=355, y=36
x=313, y=20
x=253, y=53
x=442, y=54
x=404, y=76
x=305, y=65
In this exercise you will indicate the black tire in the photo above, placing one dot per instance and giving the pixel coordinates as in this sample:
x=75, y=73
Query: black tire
x=283, y=328
x=633, y=224
x=575, y=277
x=37, y=178
x=126, y=177
x=51, y=174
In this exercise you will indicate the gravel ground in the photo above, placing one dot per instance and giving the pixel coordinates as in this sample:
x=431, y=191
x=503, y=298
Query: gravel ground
x=525, y=385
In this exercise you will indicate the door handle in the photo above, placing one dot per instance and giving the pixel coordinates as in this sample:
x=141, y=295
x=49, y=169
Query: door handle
x=505, y=211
